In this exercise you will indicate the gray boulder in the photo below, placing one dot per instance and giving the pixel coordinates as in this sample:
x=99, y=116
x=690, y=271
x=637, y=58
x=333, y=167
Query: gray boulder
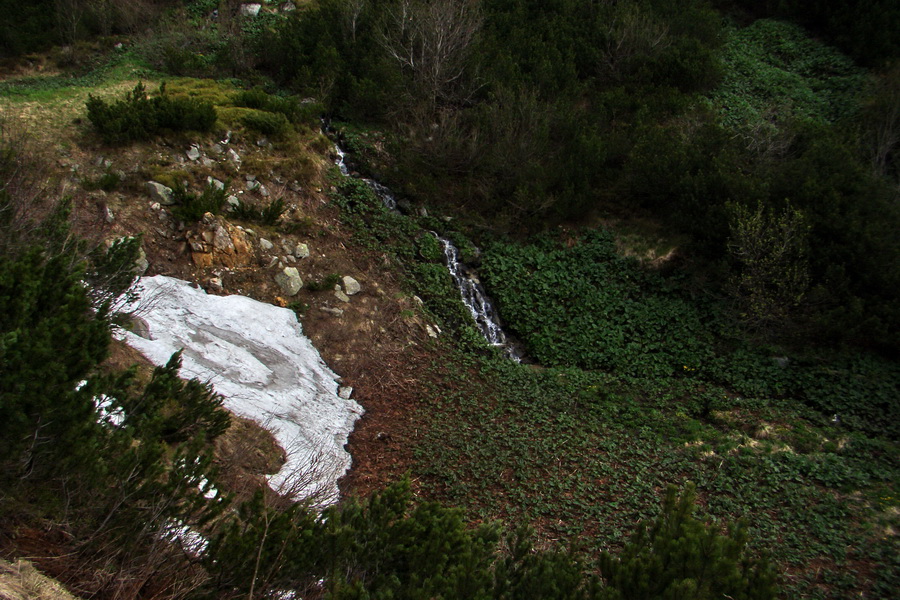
x=351, y=286
x=160, y=193
x=288, y=279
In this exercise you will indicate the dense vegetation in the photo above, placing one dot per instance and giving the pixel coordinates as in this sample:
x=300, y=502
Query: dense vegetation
x=759, y=363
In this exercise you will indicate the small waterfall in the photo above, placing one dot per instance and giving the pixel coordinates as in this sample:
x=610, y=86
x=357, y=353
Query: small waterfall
x=473, y=294
x=340, y=161
x=384, y=193
x=477, y=301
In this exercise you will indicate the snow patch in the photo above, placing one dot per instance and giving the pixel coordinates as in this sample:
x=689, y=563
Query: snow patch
x=256, y=356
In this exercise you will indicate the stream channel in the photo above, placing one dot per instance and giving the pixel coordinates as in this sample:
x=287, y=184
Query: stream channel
x=472, y=292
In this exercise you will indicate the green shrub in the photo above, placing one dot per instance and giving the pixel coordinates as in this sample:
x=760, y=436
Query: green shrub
x=680, y=556
x=265, y=215
x=138, y=117
x=191, y=207
x=326, y=283
x=289, y=106
x=106, y=182
x=275, y=124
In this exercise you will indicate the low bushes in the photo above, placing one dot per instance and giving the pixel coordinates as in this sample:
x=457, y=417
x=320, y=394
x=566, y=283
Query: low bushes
x=138, y=117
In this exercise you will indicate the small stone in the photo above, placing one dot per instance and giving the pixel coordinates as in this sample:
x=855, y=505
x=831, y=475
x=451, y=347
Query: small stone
x=345, y=392
x=351, y=286
x=141, y=264
x=263, y=191
x=333, y=311
x=110, y=217
x=249, y=177
x=215, y=284
x=193, y=153
x=262, y=142
x=341, y=296
x=215, y=183
x=234, y=157
x=289, y=281
x=252, y=186
x=301, y=251
x=217, y=148
x=155, y=206
x=265, y=244
x=207, y=162
x=431, y=332
x=233, y=201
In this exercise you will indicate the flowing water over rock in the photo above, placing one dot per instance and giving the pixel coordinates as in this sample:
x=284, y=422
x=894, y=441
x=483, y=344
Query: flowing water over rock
x=477, y=301
x=473, y=294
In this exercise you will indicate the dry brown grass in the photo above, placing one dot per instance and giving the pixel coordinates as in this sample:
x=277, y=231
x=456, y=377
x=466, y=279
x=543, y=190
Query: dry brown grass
x=21, y=581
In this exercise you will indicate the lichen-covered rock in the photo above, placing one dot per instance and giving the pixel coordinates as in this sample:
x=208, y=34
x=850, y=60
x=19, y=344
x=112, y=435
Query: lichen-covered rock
x=160, y=193
x=351, y=286
x=288, y=279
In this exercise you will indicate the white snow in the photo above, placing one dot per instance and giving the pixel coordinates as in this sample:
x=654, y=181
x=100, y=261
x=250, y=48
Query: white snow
x=190, y=540
x=256, y=356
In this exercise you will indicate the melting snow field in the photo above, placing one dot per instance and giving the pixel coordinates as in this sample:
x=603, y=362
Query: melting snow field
x=258, y=359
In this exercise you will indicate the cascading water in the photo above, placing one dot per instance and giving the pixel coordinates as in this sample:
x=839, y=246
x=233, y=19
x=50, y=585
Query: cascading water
x=473, y=294
x=477, y=301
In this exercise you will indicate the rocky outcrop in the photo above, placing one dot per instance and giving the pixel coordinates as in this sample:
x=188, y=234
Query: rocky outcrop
x=215, y=241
